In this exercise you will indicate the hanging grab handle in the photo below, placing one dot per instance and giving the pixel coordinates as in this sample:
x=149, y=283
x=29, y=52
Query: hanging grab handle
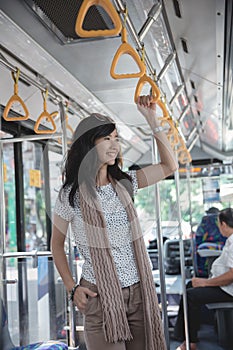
x=173, y=136
x=123, y=49
x=172, y=133
x=182, y=145
x=45, y=115
x=183, y=154
x=15, y=99
x=68, y=128
x=163, y=107
x=155, y=92
x=111, y=11
x=185, y=157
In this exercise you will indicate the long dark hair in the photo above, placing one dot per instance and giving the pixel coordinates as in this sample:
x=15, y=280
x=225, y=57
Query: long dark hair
x=226, y=215
x=81, y=164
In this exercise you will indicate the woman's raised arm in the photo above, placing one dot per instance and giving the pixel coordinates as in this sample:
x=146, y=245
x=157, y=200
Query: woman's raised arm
x=168, y=164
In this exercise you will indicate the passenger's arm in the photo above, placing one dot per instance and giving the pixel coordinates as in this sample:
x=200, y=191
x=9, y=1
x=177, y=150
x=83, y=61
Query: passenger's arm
x=222, y=280
x=60, y=227
x=168, y=164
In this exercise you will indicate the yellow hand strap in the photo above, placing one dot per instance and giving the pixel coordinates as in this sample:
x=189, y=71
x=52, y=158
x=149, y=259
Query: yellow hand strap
x=111, y=11
x=15, y=99
x=45, y=115
x=125, y=48
x=155, y=92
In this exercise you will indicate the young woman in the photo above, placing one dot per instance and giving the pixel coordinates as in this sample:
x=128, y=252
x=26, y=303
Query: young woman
x=116, y=293
x=217, y=288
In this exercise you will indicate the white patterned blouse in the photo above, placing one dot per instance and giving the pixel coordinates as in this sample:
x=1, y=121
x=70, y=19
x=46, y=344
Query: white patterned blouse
x=118, y=229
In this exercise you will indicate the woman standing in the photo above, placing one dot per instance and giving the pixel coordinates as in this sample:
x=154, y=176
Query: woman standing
x=116, y=293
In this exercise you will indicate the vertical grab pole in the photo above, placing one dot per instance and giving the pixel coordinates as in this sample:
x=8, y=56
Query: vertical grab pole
x=160, y=251
x=182, y=260
x=189, y=195
x=2, y=225
x=190, y=211
x=72, y=318
x=2, y=237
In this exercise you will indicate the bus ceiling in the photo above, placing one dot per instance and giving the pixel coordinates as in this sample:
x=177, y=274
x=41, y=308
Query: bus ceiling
x=186, y=46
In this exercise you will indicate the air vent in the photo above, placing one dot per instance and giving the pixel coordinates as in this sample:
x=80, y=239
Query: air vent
x=60, y=16
x=195, y=98
x=176, y=5
x=184, y=45
x=198, y=113
x=192, y=84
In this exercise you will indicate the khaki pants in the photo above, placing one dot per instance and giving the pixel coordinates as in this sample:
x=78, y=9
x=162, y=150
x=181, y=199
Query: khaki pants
x=93, y=323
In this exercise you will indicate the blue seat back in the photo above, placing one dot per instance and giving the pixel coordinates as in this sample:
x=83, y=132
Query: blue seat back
x=207, y=232
x=50, y=345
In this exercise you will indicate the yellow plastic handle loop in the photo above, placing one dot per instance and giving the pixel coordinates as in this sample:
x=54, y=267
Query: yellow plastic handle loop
x=15, y=99
x=173, y=137
x=45, y=96
x=185, y=157
x=164, y=110
x=125, y=48
x=155, y=92
x=111, y=11
x=16, y=79
x=124, y=35
x=182, y=146
x=172, y=133
x=47, y=116
x=169, y=122
x=68, y=127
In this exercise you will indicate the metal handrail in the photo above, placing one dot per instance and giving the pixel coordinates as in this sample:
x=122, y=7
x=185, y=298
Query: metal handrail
x=29, y=79
x=33, y=253
x=160, y=249
x=30, y=138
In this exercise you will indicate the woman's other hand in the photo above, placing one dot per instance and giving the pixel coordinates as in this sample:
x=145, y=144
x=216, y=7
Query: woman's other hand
x=81, y=297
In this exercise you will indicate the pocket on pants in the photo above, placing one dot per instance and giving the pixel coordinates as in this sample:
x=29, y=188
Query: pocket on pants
x=93, y=317
x=137, y=295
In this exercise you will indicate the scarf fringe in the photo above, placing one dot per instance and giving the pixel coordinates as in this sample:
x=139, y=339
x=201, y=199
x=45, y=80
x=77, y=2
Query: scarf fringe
x=116, y=327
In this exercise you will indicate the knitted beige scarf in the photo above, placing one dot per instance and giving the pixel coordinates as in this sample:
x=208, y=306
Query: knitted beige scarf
x=115, y=323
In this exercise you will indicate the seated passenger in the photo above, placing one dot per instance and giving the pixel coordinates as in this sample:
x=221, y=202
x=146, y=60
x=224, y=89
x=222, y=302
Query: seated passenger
x=207, y=236
x=217, y=288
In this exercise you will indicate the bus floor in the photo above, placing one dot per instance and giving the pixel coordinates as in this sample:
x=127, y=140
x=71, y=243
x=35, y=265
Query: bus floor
x=207, y=333
x=208, y=339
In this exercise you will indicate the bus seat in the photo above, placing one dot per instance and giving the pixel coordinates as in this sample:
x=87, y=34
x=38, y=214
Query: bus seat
x=207, y=236
x=224, y=318
x=172, y=255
